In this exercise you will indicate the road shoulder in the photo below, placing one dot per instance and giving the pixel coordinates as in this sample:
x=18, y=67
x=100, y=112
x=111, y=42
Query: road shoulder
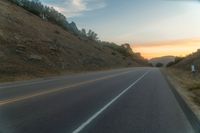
x=184, y=97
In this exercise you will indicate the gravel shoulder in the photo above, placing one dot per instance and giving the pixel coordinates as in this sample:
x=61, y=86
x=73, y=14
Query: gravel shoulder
x=187, y=85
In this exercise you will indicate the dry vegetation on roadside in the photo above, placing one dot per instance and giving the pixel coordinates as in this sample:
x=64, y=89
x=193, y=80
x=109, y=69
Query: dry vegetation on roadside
x=188, y=86
x=31, y=47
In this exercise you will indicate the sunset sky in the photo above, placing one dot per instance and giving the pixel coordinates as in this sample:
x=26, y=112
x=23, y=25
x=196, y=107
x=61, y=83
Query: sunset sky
x=163, y=48
x=153, y=27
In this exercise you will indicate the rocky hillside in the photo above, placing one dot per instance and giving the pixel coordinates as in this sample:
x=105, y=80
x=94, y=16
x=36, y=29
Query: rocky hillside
x=32, y=46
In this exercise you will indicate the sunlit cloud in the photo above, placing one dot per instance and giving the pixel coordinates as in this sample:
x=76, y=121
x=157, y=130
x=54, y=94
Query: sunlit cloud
x=73, y=8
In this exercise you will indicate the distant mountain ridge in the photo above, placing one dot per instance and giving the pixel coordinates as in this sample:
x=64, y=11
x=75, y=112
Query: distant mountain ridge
x=164, y=60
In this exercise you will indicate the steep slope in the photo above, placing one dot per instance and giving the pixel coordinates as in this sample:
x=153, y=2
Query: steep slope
x=32, y=46
x=186, y=63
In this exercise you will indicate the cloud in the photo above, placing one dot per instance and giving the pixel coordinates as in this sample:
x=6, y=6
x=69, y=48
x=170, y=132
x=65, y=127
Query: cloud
x=72, y=8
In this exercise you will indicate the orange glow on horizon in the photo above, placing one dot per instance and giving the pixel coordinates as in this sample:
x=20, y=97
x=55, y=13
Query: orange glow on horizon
x=165, y=48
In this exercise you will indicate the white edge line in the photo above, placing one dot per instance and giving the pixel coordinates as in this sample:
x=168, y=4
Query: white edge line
x=83, y=125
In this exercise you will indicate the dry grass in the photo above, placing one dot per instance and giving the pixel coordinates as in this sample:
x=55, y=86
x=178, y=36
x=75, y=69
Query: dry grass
x=186, y=79
x=24, y=36
x=188, y=86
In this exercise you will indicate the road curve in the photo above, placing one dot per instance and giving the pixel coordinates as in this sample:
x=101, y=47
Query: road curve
x=131, y=100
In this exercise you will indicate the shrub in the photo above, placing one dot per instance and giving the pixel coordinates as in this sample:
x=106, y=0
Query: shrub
x=53, y=16
x=159, y=65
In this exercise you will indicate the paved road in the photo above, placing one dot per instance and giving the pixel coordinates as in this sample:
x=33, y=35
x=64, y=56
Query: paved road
x=133, y=100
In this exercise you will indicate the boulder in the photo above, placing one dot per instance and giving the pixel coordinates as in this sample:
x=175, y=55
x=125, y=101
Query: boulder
x=35, y=57
x=20, y=49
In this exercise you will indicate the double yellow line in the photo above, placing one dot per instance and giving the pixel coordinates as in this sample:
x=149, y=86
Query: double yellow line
x=29, y=96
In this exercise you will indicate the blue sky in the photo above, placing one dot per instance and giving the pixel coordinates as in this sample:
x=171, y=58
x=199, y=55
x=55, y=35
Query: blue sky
x=134, y=21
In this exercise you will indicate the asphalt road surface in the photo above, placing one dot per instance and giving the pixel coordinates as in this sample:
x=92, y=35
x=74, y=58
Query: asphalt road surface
x=132, y=100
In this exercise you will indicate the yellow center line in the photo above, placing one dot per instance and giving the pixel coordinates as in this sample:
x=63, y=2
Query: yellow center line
x=20, y=98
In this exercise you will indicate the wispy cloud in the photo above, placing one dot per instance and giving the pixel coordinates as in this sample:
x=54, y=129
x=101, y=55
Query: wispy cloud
x=72, y=8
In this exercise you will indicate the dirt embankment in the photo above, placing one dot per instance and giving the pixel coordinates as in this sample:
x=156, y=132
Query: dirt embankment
x=31, y=47
x=188, y=85
x=192, y=59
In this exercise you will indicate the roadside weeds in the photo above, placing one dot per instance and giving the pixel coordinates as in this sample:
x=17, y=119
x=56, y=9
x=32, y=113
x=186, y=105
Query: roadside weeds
x=187, y=85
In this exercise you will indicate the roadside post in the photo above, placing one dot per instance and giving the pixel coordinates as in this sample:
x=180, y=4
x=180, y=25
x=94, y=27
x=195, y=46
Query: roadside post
x=193, y=69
